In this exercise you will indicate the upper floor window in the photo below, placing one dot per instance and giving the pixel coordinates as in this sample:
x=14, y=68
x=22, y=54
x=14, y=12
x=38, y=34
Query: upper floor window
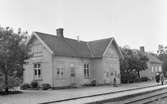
x=37, y=71
x=86, y=71
x=37, y=50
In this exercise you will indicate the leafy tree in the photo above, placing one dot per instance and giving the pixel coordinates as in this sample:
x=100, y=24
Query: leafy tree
x=133, y=63
x=141, y=63
x=13, y=53
x=162, y=54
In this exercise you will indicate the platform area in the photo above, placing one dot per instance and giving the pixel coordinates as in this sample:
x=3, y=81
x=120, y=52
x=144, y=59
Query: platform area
x=70, y=95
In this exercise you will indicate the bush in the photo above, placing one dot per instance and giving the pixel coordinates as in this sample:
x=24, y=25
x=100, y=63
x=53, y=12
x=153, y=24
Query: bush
x=45, y=86
x=128, y=78
x=93, y=83
x=144, y=79
x=34, y=84
x=25, y=86
x=73, y=85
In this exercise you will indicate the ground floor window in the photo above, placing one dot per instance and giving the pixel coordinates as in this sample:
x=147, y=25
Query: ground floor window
x=60, y=72
x=86, y=71
x=72, y=72
x=160, y=70
x=152, y=68
x=37, y=71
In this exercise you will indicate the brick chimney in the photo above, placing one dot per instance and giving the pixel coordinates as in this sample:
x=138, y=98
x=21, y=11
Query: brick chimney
x=142, y=49
x=60, y=32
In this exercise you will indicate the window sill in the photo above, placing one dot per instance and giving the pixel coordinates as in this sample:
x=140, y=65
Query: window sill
x=60, y=78
x=87, y=78
x=38, y=79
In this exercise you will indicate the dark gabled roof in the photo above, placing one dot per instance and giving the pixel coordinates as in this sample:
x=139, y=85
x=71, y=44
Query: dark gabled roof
x=153, y=58
x=65, y=46
x=62, y=46
x=98, y=47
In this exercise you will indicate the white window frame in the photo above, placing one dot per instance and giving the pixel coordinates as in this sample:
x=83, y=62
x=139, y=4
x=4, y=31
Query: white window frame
x=37, y=71
x=152, y=67
x=60, y=72
x=156, y=68
x=37, y=50
x=86, y=70
x=160, y=69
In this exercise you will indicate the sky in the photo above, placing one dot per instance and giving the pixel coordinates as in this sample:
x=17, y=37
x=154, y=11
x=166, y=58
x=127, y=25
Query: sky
x=131, y=22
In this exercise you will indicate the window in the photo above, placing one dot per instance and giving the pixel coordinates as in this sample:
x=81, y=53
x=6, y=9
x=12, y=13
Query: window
x=60, y=72
x=37, y=50
x=37, y=71
x=107, y=74
x=86, y=71
x=72, y=72
x=160, y=70
x=156, y=69
x=152, y=68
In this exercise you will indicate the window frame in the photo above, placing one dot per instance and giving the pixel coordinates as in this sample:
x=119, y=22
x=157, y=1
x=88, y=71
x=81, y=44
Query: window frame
x=152, y=68
x=37, y=50
x=60, y=72
x=86, y=70
x=37, y=71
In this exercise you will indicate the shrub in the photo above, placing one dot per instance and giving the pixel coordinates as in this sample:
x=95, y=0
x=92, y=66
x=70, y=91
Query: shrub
x=45, y=86
x=73, y=85
x=93, y=83
x=25, y=86
x=34, y=84
x=86, y=84
x=14, y=82
x=128, y=78
x=144, y=79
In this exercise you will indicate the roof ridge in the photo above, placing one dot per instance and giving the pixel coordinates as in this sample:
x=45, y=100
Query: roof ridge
x=100, y=39
x=46, y=34
x=56, y=36
x=74, y=39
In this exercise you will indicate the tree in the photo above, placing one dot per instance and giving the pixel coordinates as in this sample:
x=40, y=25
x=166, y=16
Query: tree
x=141, y=63
x=13, y=53
x=162, y=55
x=133, y=63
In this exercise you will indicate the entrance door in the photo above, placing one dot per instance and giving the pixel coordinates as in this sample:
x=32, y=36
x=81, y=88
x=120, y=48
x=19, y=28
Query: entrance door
x=107, y=77
x=107, y=73
x=73, y=75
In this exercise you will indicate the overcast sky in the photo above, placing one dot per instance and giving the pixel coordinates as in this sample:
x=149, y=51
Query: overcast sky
x=132, y=22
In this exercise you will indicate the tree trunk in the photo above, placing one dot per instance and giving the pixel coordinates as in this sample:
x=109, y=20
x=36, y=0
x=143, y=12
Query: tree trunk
x=138, y=74
x=6, y=80
x=6, y=83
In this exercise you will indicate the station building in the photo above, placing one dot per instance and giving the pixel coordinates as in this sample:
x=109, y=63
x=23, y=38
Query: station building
x=62, y=61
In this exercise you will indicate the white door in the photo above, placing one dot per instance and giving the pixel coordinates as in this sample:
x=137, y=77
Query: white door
x=72, y=75
x=107, y=74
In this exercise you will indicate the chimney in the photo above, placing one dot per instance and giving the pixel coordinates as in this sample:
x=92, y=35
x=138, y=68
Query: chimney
x=78, y=39
x=59, y=32
x=142, y=49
